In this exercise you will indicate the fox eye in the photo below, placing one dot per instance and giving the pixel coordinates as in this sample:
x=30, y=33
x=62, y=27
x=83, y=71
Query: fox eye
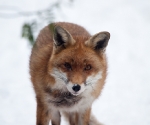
x=67, y=66
x=87, y=67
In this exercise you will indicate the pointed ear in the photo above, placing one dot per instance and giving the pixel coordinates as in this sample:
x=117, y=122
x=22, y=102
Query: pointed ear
x=99, y=41
x=61, y=37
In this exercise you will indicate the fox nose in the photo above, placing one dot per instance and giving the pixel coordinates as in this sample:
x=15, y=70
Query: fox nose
x=76, y=87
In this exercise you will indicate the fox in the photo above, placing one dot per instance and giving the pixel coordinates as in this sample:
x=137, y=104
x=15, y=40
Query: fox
x=68, y=69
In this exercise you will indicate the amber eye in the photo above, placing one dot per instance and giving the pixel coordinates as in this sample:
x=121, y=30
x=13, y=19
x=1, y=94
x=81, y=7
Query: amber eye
x=87, y=67
x=68, y=66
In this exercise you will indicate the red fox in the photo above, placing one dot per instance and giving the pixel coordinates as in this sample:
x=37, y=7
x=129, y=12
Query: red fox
x=68, y=68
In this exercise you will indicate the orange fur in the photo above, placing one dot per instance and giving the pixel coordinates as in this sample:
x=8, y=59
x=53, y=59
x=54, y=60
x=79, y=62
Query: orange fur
x=85, y=61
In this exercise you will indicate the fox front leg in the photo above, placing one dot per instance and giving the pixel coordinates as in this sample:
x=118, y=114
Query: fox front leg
x=84, y=118
x=79, y=118
x=73, y=118
x=55, y=117
x=42, y=115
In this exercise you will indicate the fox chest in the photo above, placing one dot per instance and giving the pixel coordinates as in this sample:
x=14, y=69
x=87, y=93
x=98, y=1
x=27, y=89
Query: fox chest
x=66, y=100
x=58, y=98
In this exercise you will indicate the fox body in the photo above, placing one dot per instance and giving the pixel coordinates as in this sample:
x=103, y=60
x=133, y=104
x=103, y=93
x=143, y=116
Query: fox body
x=68, y=69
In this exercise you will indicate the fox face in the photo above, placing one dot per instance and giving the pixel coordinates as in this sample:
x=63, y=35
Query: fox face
x=77, y=63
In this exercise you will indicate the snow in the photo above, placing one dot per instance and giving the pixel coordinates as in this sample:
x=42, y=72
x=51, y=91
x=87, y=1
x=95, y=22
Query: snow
x=125, y=99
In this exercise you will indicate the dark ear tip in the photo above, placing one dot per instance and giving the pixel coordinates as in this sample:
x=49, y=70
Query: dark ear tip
x=107, y=34
x=52, y=27
x=58, y=28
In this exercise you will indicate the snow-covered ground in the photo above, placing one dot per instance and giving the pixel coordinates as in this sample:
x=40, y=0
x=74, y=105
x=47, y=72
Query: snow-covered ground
x=125, y=99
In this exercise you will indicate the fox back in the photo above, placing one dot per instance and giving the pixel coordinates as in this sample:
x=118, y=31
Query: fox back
x=68, y=68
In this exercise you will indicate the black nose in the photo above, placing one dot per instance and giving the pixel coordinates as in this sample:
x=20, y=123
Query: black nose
x=76, y=88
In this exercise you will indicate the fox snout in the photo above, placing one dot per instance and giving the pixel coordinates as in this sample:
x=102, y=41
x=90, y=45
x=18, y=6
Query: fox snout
x=76, y=84
x=75, y=89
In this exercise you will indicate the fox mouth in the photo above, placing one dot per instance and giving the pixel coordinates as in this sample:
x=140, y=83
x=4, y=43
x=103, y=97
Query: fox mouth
x=63, y=99
x=75, y=93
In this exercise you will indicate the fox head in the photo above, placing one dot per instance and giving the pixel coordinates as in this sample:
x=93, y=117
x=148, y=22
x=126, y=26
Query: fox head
x=78, y=62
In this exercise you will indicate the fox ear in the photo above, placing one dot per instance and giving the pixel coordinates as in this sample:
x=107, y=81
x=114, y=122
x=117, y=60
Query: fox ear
x=61, y=37
x=99, y=41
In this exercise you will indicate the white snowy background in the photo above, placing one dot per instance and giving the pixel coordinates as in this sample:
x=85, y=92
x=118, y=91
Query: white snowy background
x=125, y=99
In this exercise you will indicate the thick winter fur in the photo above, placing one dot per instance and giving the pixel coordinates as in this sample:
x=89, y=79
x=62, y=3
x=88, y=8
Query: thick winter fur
x=68, y=69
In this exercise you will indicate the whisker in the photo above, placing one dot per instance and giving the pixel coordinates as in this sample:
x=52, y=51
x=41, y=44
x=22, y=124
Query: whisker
x=91, y=81
x=61, y=77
